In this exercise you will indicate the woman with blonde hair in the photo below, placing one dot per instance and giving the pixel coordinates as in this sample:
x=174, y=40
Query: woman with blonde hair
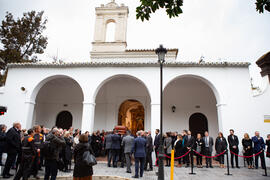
x=248, y=150
x=82, y=171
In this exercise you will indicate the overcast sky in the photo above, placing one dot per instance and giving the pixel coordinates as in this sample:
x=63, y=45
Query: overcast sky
x=227, y=30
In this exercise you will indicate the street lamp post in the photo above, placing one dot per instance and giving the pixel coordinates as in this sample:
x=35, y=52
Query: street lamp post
x=161, y=52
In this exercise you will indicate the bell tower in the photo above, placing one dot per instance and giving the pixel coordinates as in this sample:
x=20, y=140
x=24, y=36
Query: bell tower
x=110, y=14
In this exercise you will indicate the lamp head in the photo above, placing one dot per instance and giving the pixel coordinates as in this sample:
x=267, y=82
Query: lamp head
x=161, y=52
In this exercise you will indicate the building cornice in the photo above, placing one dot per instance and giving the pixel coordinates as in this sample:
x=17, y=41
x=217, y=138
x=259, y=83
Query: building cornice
x=127, y=64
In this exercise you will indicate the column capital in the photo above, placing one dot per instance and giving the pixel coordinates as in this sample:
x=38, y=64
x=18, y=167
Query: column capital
x=30, y=102
x=221, y=104
x=89, y=103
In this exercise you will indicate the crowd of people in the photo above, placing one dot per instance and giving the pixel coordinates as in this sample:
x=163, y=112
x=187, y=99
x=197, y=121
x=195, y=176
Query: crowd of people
x=28, y=151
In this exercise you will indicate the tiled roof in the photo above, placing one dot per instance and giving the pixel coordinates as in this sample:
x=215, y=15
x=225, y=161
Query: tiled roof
x=127, y=64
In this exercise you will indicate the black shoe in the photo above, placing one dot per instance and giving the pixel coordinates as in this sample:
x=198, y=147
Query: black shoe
x=211, y=166
x=238, y=167
x=6, y=176
x=109, y=165
x=206, y=166
x=135, y=176
x=232, y=166
x=128, y=171
x=187, y=166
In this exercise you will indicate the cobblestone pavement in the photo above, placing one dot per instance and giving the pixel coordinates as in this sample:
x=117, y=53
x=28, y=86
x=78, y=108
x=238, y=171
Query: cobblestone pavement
x=179, y=173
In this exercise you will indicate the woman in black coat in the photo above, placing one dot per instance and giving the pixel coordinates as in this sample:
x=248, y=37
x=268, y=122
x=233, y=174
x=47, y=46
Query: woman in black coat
x=67, y=153
x=267, y=142
x=179, y=148
x=248, y=151
x=2, y=141
x=221, y=146
x=81, y=170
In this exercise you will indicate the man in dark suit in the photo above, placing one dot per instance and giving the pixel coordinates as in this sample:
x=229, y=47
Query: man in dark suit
x=116, y=141
x=189, y=144
x=208, y=149
x=13, y=140
x=128, y=145
x=139, y=154
x=108, y=147
x=156, y=144
x=233, y=145
x=149, y=150
x=259, y=145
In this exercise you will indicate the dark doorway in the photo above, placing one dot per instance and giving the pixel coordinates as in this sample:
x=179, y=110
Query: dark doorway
x=64, y=120
x=198, y=124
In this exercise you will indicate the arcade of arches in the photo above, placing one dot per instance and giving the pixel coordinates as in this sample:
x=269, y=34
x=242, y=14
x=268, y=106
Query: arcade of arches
x=124, y=100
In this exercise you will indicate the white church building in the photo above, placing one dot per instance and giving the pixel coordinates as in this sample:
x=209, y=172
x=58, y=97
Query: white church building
x=121, y=86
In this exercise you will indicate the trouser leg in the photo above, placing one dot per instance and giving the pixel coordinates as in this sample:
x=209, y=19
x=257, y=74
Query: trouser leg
x=236, y=160
x=27, y=168
x=256, y=161
x=35, y=166
x=156, y=157
x=262, y=160
x=1, y=154
x=222, y=159
x=137, y=167
x=232, y=156
x=19, y=173
x=128, y=161
x=54, y=170
x=47, y=170
x=9, y=162
x=150, y=161
x=142, y=160
x=109, y=155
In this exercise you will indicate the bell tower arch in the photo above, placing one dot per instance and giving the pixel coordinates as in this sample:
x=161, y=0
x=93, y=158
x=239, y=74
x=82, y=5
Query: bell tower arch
x=105, y=15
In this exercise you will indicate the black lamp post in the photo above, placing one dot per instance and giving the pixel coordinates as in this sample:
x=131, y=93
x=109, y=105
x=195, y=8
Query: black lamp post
x=161, y=52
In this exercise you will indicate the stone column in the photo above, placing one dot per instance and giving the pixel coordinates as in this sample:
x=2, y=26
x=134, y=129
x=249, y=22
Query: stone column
x=88, y=116
x=221, y=116
x=30, y=107
x=155, y=118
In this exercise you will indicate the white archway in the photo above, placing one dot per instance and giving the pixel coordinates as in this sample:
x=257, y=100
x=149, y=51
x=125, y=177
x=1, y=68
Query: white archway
x=55, y=94
x=190, y=94
x=111, y=93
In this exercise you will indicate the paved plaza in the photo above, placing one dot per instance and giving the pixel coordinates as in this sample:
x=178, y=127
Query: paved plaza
x=179, y=173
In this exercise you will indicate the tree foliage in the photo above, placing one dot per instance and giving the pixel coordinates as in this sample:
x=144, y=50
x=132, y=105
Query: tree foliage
x=174, y=7
x=262, y=5
x=147, y=7
x=22, y=39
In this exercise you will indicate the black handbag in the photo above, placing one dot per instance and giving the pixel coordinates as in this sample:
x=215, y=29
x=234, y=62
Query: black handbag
x=89, y=159
x=60, y=165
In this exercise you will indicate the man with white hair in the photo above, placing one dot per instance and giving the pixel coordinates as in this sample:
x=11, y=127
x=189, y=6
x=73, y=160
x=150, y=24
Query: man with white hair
x=13, y=140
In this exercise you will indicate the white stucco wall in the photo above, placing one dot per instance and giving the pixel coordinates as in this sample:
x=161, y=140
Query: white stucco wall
x=236, y=107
